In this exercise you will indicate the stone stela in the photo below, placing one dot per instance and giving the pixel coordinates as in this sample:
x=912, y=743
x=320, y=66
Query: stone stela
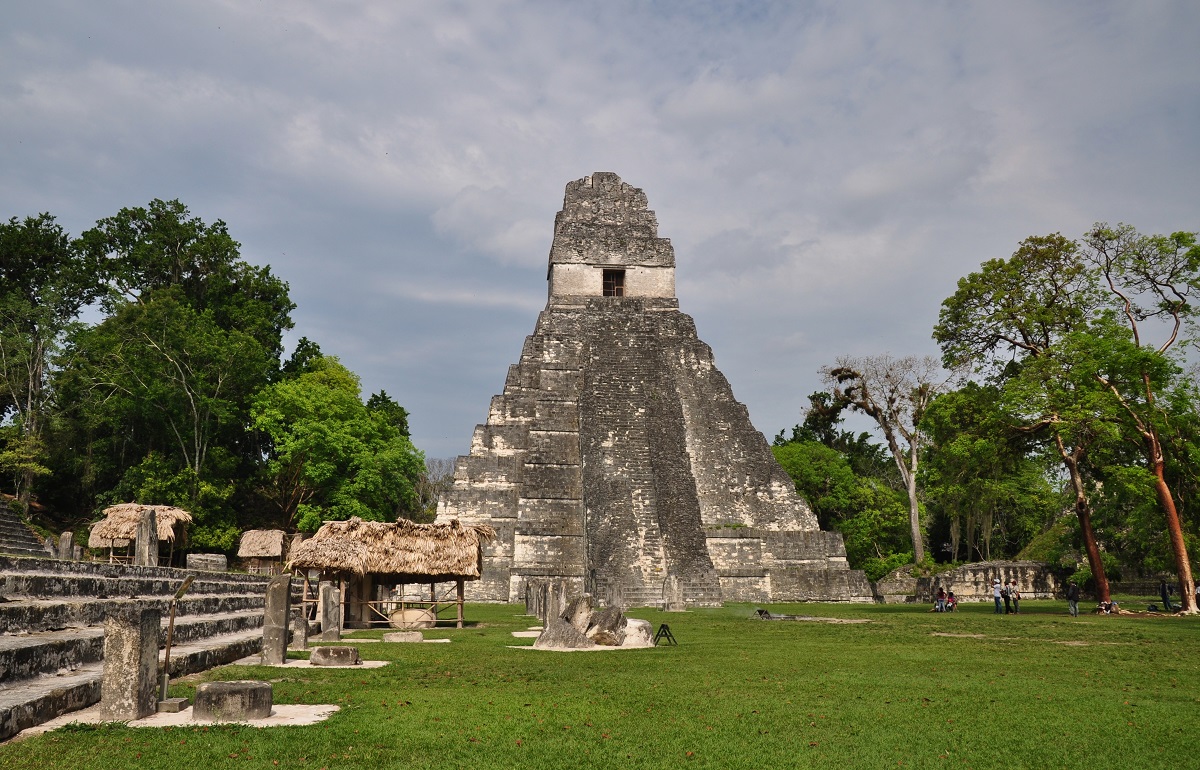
x=617, y=459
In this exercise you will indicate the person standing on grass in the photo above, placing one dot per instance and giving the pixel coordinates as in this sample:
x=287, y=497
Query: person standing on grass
x=1073, y=599
x=996, y=594
x=1007, y=598
x=1016, y=597
x=1165, y=592
x=941, y=599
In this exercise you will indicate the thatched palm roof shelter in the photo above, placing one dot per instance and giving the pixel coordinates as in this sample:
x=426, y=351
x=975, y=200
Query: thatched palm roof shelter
x=120, y=523
x=368, y=556
x=261, y=544
x=404, y=549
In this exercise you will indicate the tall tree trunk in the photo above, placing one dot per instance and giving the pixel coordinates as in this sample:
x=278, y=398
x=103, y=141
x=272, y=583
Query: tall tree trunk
x=914, y=519
x=1183, y=566
x=1084, y=511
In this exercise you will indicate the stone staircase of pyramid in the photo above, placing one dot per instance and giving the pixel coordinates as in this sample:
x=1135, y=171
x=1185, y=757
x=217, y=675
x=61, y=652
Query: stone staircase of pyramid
x=16, y=537
x=52, y=616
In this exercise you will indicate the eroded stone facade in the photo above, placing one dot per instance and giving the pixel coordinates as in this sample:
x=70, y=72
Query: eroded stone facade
x=617, y=455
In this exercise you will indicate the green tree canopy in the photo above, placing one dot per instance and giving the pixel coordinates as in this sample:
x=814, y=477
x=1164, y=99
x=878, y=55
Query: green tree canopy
x=331, y=457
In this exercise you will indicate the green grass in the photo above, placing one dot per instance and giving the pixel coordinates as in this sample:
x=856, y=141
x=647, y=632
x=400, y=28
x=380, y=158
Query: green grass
x=1038, y=690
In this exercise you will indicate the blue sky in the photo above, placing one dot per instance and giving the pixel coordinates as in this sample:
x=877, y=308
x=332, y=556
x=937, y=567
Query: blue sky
x=826, y=171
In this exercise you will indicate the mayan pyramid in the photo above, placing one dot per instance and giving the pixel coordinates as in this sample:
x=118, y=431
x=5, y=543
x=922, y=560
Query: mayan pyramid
x=617, y=457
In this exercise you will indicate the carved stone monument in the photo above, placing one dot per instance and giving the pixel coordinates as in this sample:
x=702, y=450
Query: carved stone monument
x=66, y=546
x=145, y=547
x=299, y=630
x=329, y=602
x=276, y=618
x=617, y=454
x=129, y=686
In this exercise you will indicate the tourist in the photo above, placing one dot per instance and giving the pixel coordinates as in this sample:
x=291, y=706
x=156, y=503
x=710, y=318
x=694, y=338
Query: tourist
x=951, y=602
x=940, y=605
x=1004, y=591
x=1073, y=599
x=1164, y=591
x=1016, y=598
x=996, y=594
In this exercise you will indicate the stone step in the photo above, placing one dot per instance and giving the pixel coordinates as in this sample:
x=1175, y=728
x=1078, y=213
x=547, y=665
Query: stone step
x=42, y=698
x=55, y=652
x=36, y=584
x=10, y=565
x=35, y=615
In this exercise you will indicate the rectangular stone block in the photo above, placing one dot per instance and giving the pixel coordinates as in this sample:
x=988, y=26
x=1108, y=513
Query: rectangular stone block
x=554, y=447
x=539, y=516
x=730, y=553
x=329, y=603
x=552, y=481
x=235, y=701
x=549, y=555
x=128, y=689
x=208, y=562
x=276, y=620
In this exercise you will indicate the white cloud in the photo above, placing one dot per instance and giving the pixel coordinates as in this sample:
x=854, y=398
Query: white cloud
x=825, y=170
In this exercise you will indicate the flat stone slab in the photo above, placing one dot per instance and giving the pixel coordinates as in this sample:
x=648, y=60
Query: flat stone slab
x=232, y=701
x=335, y=656
x=404, y=636
x=281, y=716
x=308, y=664
x=173, y=705
x=527, y=634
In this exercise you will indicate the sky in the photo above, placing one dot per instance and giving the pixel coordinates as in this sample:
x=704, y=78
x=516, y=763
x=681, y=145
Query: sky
x=826, y=171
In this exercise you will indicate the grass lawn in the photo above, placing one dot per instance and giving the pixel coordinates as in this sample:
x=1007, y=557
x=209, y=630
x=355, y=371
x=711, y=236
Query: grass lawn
x=1038, y=690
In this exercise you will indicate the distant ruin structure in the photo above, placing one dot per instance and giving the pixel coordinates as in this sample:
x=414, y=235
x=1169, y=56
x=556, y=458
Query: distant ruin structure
x=617, y=458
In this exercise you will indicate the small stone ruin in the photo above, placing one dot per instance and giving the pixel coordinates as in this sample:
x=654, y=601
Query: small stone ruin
x=582, y=626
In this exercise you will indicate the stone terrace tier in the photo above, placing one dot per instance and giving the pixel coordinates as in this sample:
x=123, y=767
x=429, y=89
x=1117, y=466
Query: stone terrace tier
x=52, y=636
x=617, y=455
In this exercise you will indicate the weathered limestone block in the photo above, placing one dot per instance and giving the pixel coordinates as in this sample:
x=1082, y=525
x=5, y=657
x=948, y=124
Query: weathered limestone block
x=607, y=627
x=335, y=656
x=145, y=547
x=672, y=600
x=208, y=562
x=412, y=617
x=405, y=637
x=128, y=689
x=578, y=612
x=276, y=620
x=66, y=546
x=299, y=630
x=236, y=701
x=329, y=602
x=561, y=635
x=638, y=633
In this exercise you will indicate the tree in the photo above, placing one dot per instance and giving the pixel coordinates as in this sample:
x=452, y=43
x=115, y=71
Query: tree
x=869, y=514
x=434, y=483
x=331, y=457
x=44, y=282
x=1012, y=321
x=981, y=477
x=894, y=392
x=1154, y=281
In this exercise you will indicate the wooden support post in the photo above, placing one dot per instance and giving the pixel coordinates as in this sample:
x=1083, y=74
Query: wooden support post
x=461, y=594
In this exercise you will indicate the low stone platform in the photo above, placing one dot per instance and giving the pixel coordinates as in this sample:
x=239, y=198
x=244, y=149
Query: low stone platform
x=292, y=715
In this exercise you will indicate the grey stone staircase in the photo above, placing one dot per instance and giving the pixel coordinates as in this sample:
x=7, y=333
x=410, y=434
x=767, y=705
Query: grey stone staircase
x=52, y=628
x=17, y=538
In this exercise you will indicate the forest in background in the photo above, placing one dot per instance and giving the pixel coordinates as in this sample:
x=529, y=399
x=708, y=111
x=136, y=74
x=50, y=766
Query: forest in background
x=1060, y=424
x=181, y=393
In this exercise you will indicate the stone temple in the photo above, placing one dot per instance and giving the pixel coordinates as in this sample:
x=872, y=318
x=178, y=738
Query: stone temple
x=617, y=458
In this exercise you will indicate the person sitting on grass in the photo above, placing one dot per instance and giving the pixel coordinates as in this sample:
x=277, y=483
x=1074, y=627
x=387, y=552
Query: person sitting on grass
x=951, y=602
x=1109, y=607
